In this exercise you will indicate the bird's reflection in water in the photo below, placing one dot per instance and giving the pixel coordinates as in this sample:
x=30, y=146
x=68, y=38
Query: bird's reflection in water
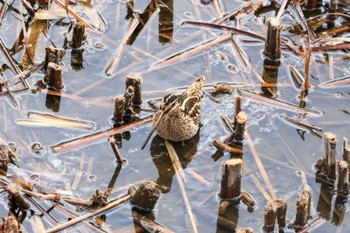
x=185, y=151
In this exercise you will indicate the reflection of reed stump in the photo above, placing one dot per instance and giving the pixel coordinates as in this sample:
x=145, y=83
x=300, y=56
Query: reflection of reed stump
x=146, y=196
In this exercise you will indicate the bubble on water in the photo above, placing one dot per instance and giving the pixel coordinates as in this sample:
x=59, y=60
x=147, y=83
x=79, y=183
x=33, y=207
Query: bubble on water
x=339, y=94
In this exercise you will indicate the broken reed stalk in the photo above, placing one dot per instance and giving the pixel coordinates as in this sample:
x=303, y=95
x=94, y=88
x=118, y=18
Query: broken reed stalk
x=223, y=147
x=54, y=75
x=78, y=36
x=303, y=208
x=329, y=166
x=81, y=218
x=116, y=151
x=152, y=226
x=241, y=119
x=346, y=153
x=119, y=109
x=273, y=39
x=146, y=196
x=343, y=177
x=134, y=80
x=54, y=55
x=312, y=4
x=231, y=179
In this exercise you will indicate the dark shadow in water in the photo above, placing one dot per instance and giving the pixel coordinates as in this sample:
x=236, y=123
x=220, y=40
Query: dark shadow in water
x=76, y=59
x=270, y=76
x=325, y=198
x=185, y=151
x=53, y=102
x=143, y=17
x=228, y=215
x=166, y=21
x=339, y=210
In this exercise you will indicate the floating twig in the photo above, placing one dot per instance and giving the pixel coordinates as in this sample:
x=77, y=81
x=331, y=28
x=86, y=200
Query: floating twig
x=340, y=82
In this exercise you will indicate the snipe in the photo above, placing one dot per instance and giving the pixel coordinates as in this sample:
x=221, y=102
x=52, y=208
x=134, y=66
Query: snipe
x=179, y=116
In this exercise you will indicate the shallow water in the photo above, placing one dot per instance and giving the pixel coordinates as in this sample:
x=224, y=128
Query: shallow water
x=282, y=148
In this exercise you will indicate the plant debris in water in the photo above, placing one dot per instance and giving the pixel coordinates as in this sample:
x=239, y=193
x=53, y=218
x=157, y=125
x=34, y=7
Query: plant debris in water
x=88, y=60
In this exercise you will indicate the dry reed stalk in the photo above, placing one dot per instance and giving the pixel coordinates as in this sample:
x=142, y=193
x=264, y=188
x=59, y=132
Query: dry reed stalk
x=217, y=8
x=225, y=28
x=260, y=166
x=199, y=177
x=175, y=159
x=57, y=121
x=116, y=59
x=81, y=218
x=3, y=10
x=85, y=140
x=260, y=187
x=177, y=165
x=280, y=104
x=300, y=124
x=336, y=82
x=116, y=151
x=244, y=59
x=190, y=52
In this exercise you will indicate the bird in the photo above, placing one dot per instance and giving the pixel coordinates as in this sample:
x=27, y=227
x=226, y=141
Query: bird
x=179, y=116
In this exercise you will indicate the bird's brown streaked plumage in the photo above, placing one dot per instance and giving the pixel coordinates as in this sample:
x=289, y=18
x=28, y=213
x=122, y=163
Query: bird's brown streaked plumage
x=179, y=116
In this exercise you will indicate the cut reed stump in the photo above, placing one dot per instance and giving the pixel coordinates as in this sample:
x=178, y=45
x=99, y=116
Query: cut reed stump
x=329, y=166
x=231, y=179
x=54, y=55
x=119, y=109
x=54, y=75
x=146, y=196
x=134, y=80
x=343, y=177
x=129, y=95
x=346, y=152
x=303, y=208
x=273, y=39
x=269, y=217
x=241, y=120
x=78, y=36
x=275, y=210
